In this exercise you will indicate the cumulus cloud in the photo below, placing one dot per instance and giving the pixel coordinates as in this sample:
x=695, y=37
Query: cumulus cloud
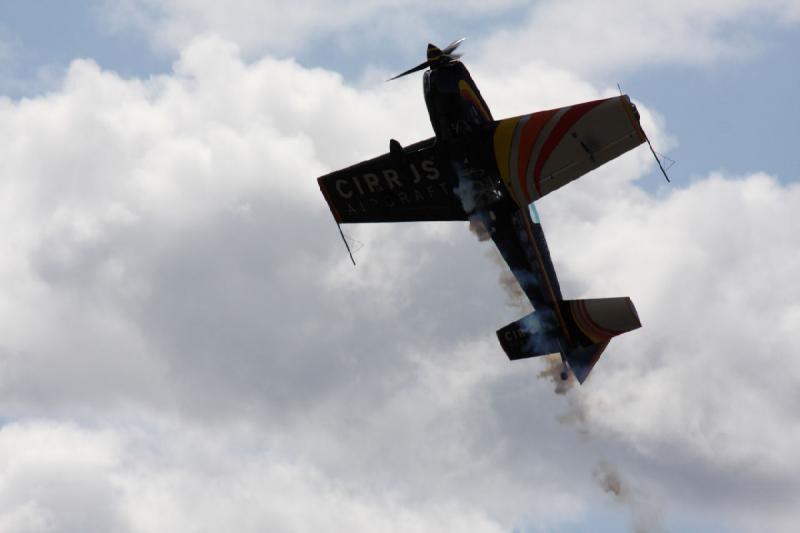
x=644, y=517
x=97, y=481
x=171, y=274
x=166, y=250
x=713, y=262
x=578, y=35
x=56, y=479
x=713, y=257
x=590, y=37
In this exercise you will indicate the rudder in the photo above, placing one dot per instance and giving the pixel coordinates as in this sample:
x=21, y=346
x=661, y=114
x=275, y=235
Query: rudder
x=582, y=359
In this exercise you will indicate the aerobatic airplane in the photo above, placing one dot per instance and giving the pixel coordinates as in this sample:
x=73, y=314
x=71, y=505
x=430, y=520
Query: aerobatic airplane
x=490, y=172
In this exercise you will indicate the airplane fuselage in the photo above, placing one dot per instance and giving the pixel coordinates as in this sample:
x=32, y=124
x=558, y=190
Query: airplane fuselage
x=457, y=108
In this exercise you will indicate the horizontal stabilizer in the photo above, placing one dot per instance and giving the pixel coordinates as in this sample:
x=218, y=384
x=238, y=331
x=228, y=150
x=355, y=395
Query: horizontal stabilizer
x=530, y=336
x=602, y=318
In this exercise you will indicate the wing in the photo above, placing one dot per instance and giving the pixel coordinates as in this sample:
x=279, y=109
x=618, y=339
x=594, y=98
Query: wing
x=407, y=184
x=536, y=154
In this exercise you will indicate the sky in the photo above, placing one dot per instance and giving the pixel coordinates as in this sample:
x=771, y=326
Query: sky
x=186, y=346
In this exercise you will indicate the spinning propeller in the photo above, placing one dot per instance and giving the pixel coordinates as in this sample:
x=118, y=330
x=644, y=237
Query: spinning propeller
x=436, y=58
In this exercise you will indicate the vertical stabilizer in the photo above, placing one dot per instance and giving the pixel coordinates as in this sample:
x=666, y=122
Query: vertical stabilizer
x=582, y=359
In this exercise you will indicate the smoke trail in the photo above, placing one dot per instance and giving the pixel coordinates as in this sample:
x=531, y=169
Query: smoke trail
x=475, y=194
x=609, y=480
x=515, y=297
x=645, y=518
x=552, y=371
x=476, y=189
x=479, y=230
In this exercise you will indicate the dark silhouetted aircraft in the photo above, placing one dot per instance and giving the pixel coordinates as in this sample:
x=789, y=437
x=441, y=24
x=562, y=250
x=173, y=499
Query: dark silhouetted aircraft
x=490, y=172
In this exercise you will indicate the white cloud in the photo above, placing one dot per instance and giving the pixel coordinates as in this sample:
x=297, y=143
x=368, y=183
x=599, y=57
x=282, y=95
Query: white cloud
x=57, y=480
x=170, y=273
x=591, y=37
x=93, y=481
x=709, y=266
x=578, y=35
x=707, y=380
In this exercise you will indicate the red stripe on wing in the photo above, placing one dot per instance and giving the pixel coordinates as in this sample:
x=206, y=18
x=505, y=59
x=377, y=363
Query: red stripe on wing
x=598, y=330
x=528, y=137
x=568, y=120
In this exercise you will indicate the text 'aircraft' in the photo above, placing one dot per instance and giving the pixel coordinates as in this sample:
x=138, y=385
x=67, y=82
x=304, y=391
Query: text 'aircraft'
x=490, y=172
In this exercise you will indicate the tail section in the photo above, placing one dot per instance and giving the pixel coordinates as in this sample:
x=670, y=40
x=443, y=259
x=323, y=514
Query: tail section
x=591, y=323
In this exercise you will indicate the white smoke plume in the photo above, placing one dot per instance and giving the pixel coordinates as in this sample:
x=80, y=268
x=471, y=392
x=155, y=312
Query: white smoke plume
x=515, y=297
x=552, y=371
x=645, y=518
x=479, y=230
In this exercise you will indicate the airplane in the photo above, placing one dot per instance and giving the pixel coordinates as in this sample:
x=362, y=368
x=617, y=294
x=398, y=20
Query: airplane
x=490, y=172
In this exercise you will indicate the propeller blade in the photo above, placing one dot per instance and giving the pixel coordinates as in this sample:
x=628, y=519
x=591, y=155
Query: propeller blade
x=452, y=46
x=421, y=66
x=435, y=57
